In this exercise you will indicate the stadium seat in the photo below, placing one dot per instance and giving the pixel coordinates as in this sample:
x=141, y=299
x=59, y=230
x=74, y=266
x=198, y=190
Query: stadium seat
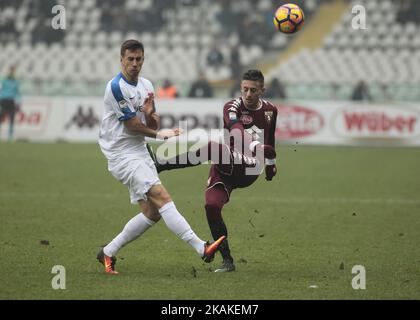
x=188, y=29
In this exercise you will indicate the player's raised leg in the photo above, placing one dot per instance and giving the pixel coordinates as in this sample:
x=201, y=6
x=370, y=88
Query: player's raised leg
x=216, y=152
x=216, y=198
x=161, y=199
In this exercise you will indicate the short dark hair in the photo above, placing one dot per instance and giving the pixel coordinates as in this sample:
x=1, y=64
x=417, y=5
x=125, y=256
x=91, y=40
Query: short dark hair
x=254, y=75
x=131, y=45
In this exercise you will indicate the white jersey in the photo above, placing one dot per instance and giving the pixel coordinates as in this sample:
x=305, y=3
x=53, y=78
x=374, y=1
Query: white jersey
x=122, y=102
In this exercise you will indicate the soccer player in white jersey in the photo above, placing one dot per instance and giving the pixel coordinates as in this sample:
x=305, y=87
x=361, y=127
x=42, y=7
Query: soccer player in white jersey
x=129, y=117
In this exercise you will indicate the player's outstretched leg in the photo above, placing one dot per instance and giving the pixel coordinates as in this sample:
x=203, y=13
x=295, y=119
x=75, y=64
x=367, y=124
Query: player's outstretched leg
x=216, y=152
x=178, y=225
x=216, y=197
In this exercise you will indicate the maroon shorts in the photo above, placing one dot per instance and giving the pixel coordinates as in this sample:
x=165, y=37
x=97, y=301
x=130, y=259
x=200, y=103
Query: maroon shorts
x=237, y=178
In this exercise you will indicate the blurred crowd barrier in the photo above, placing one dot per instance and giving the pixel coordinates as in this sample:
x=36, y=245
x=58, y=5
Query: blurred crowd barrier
x=77, y=119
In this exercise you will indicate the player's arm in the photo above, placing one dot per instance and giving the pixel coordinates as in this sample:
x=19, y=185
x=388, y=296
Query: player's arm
x=153, y=121
x=135, y=126
x=270, y=162
x=127, y=114
x=231, y=120
x=231, y=115
x=272, y=132
x=149, y=110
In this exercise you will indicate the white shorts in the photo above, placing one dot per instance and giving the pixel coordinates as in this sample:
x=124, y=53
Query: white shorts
x=137, y=172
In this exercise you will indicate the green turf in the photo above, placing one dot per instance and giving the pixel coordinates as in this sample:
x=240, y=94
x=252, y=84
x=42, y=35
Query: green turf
x=328, y=209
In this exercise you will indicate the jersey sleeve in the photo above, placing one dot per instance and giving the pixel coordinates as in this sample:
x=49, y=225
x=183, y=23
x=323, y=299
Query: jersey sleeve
x=120, y=104
x=231, y=113
x=272, y=131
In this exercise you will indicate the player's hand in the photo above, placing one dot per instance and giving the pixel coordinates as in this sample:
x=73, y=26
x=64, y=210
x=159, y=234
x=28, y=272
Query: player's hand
x=165, y=134
x=270, y=172
x=264, y=149
x=147, y=107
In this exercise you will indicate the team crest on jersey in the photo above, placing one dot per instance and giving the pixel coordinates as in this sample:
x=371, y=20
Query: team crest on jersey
x=122, y=104
x=246, y=119
x=268, y=116
x=232, y=116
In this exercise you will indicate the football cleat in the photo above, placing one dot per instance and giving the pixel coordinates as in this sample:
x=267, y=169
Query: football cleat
x=211, y=248
x=227, y=266
x=108, y=262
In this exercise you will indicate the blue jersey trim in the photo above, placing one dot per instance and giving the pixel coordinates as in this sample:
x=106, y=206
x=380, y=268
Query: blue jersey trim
x=117, y=93
x=127, y=116
x=128, y=81
x=116, y=89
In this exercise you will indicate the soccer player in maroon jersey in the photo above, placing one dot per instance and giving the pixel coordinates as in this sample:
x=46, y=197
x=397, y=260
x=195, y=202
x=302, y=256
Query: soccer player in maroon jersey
x=235, y=165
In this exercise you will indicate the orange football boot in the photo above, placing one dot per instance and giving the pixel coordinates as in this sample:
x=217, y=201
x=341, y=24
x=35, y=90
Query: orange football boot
x=108, y=262
x=211, y=248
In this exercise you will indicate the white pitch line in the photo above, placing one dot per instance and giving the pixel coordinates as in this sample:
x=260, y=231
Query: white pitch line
x=253, y=198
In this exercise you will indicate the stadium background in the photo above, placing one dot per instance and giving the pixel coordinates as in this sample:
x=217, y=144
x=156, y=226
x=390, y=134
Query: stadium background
x=63, y=74
x=215, y=41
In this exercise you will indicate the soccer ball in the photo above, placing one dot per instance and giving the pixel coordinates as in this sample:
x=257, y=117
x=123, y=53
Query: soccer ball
x=289, y=18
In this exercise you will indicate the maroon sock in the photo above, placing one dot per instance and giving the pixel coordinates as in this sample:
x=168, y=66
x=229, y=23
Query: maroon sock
x=216, y=198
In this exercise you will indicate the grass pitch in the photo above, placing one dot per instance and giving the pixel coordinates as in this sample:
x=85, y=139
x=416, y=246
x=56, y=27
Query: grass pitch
x=297, y=237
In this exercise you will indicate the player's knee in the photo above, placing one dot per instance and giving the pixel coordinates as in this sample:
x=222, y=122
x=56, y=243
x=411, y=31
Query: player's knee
x=152, y=214
x=149, y=210
x=158, y=196
x=213, y=209
x=213, y=212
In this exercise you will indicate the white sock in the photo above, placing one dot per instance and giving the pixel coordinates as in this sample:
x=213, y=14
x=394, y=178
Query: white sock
x=132, y=230
x=178, y=225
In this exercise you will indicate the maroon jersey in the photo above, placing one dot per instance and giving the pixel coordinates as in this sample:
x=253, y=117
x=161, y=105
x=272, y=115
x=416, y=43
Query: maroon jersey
x=260, y=124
